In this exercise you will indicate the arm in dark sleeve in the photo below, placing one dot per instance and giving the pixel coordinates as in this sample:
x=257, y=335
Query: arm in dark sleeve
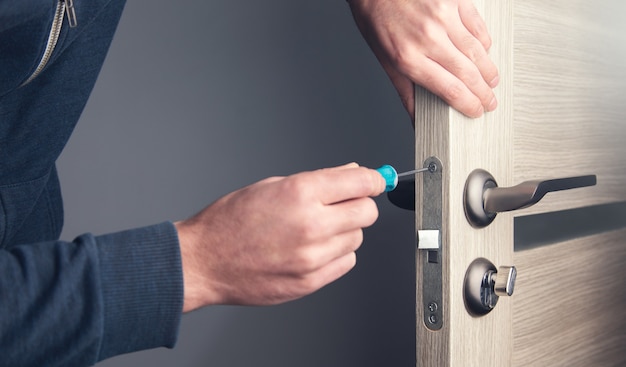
x=76, y=303
x=68, y=303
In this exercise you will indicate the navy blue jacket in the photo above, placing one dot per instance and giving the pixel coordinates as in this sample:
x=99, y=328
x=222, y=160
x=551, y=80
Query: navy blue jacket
x=68, y=303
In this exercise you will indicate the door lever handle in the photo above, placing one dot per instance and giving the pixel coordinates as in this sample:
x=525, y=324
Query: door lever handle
x=483, y=199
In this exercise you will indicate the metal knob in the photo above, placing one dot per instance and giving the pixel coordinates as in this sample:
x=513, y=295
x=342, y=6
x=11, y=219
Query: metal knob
x=484, y=285
x=483, y=199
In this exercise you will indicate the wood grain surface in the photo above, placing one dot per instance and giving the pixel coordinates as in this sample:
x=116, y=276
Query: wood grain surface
x=562, y=104
x=569, y=306
x=463, y=145
x=570, y=108
x=570, y=97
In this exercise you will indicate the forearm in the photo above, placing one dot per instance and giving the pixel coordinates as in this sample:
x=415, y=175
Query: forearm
x=75, y=303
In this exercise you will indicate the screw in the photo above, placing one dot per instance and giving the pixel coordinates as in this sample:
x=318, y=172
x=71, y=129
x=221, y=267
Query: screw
x=432, y=167
x=432, y=319
x=433, y=306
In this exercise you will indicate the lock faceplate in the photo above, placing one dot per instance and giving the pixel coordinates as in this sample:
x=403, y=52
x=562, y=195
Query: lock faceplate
x=431, y=247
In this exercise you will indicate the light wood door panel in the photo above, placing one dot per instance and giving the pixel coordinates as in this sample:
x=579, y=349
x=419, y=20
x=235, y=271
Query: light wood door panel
x=562, y=105
x=569, y=119
x=571, y=313
x=570, y=96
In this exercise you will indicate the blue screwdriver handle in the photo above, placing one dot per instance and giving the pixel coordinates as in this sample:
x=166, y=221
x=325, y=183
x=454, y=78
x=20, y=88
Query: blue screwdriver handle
x=390, y=175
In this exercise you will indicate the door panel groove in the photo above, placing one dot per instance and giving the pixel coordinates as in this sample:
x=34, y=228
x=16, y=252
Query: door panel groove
x=536, y=230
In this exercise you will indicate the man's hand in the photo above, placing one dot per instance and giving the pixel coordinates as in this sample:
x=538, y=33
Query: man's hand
x=278, y=239
x=439, y=44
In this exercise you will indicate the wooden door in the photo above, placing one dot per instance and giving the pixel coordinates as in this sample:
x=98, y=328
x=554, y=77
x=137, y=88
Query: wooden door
x=562, y=113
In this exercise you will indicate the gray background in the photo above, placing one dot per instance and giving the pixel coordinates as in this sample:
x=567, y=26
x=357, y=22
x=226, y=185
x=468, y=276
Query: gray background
x=199, y=98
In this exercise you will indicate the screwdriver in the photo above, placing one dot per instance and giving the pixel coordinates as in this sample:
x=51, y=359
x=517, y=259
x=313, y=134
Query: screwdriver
x=391, y=175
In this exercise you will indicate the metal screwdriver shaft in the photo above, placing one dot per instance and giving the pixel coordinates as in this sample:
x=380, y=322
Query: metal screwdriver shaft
x=407, y=173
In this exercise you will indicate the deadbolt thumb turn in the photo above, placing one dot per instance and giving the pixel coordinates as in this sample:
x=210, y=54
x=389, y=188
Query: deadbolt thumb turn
x=483, y=199
x=484, y=285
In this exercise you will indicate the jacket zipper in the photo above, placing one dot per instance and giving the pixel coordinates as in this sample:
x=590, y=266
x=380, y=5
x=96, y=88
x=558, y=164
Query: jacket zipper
x=63, y=7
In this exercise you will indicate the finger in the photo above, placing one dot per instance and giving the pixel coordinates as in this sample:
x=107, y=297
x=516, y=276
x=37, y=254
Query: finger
x=462, y=68
x=334, y=186
x=317, y=255
x=474, y=23
x=347, y=216
x=332, y=221
x=340, y=245
x=448, y=87
x=330, y=272
x=472, y=48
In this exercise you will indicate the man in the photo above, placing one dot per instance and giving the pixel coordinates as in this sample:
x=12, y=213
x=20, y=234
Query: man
x=75, y=303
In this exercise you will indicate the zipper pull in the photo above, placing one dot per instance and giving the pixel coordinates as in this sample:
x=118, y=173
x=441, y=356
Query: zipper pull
x=71, y=13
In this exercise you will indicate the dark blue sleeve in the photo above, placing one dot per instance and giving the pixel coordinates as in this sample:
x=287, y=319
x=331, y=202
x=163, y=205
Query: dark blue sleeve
x=76, y=303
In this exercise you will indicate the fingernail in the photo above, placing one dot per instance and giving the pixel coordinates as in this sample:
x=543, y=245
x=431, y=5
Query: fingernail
x=492, y=105
x=348, y=165
x=494, y=82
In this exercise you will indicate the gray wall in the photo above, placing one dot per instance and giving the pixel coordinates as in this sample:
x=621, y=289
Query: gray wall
x=198, y=98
